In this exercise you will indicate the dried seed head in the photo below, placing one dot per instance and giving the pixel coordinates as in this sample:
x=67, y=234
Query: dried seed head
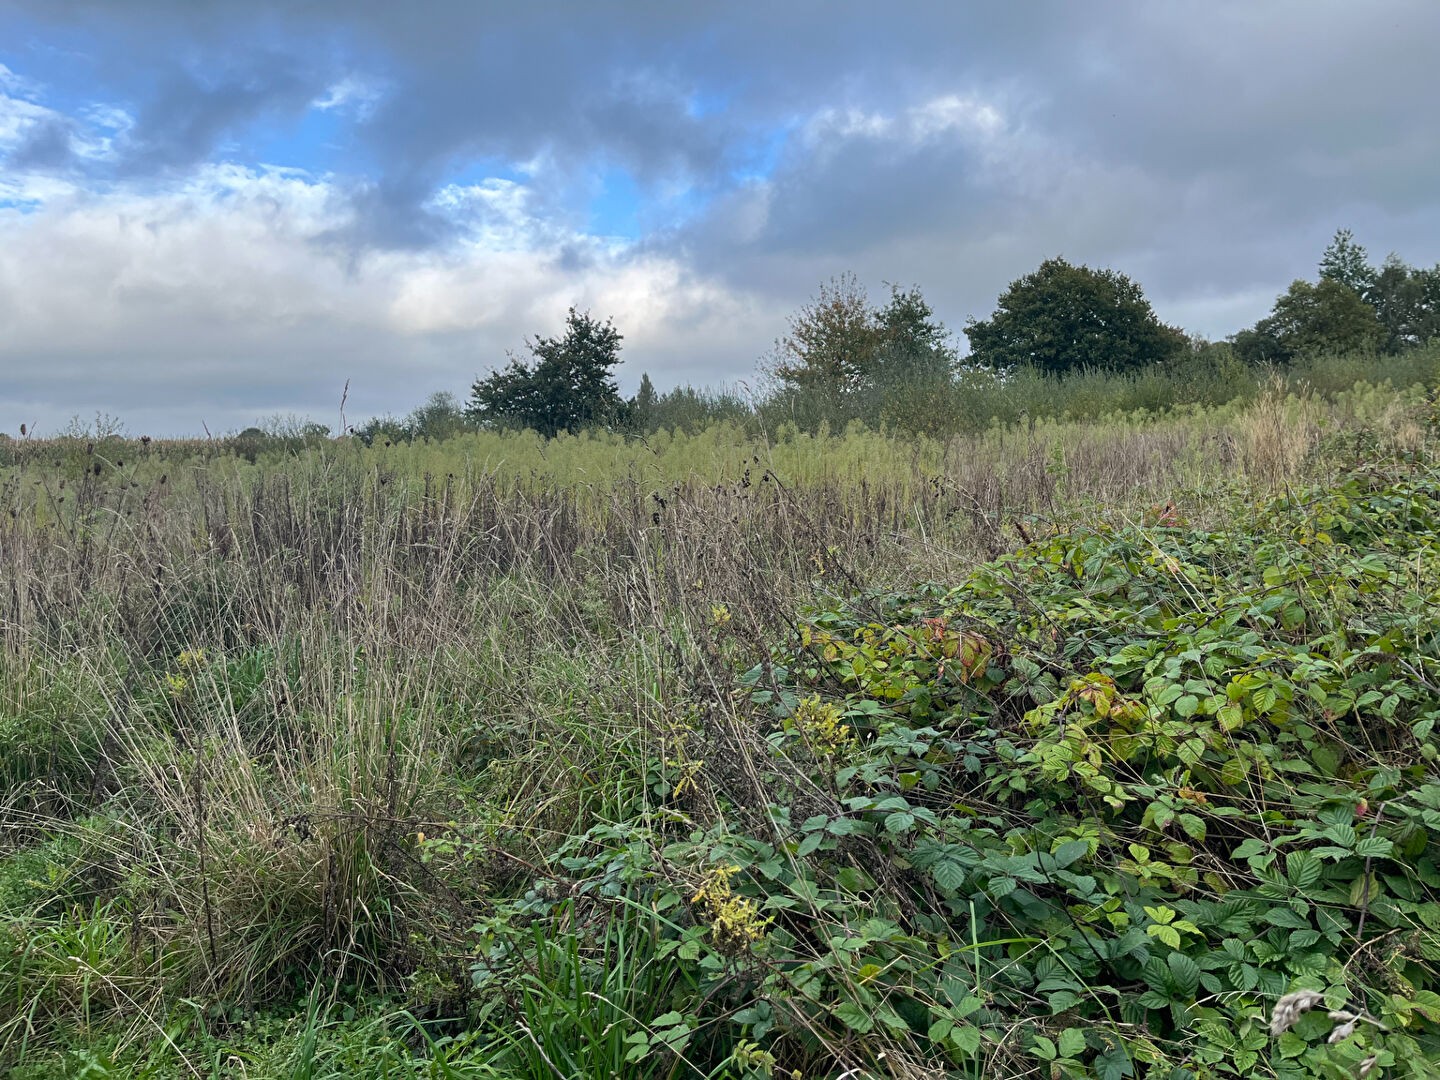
x=1343, y=1031
x=1367, y=1065
x=1290, y=1008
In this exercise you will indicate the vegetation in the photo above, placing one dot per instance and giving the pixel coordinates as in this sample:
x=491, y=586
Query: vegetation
x=1064, y=318
x=570, y=385
x=1352, y=308
x=1065, y=712
x=1065, y=341
x=1059, y=748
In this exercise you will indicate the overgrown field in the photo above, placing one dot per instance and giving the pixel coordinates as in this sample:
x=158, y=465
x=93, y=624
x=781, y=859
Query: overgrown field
x=1059, y=750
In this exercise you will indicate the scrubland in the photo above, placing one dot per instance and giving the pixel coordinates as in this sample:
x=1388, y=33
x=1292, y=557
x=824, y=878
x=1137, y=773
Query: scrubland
x=1057, y=748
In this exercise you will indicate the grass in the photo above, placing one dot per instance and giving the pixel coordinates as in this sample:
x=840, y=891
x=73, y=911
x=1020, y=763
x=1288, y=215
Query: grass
x=373, y=761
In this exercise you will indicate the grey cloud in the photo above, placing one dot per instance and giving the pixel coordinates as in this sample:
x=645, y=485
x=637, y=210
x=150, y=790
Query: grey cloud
x=1208, y=150
x=47, y=147
x=190, y=112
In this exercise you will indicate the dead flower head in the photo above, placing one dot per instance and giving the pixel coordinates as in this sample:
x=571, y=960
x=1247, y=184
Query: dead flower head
x=1290, y=1008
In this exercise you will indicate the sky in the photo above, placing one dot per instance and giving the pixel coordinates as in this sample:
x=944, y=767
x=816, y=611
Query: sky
x=212, y=212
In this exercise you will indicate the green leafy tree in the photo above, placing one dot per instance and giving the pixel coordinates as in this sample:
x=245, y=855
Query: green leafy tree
x=1407, y=303
x=641, y=408
x=568, y=385
x=1346, y=261
x=839, y=344
x=911, y=344
x=440, y=417
x=1312, y=319
x=1063, y=317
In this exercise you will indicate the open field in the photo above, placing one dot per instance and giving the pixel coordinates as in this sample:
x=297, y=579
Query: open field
x=1057, y=749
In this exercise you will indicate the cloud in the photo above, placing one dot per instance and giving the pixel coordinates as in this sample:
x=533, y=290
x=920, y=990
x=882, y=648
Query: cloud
x=213, y=303
x=445, y=170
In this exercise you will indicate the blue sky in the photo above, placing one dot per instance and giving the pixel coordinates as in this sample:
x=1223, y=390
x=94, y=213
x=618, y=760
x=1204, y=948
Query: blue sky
x=214, y=211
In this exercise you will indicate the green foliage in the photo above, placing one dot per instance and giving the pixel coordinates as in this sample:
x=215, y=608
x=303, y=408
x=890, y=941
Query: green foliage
x=1353, y=308
x=1065, y=318
x=1312, y=319
x=1407, y=303
x=1346, y=262
x=838, y=345
x=569, y=386
x=595, y=755
x=1182, y=772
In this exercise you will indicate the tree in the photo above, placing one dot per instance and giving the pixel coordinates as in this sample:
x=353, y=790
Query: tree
x=1345, y=261
x=1309, y=320
x=569, y=384
x=440, y=417
x=1407, y=303
x=911, y=345
x=830, y=339
x=1063, y=317
x=641, y=408
x=839, y=344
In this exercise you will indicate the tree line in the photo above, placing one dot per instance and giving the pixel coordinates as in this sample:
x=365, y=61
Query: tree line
x=844, y=356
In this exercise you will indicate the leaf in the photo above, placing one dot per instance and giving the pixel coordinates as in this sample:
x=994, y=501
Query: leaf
x=966, y=1039
x=899, y=822
x=1303, y=869
x=1184, y=974
x=1247, y=848
x=1187, y=705
x=1360, y=894
x=1002, y=886
x=809, y=844
x=1115, y=1065
x=1061, y=1000
x=853, y=879
x=1374, y=847
x=1284, y=917
x=1072, y=1042
x=1044, y=1049
x=948, y=874
x=854, y=1017
x=1193, y=825
x=893, y=1020
x=1168, y=934
x=1070, y=852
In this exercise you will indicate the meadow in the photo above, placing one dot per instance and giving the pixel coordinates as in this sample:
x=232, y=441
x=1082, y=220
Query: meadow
x=1056, y=746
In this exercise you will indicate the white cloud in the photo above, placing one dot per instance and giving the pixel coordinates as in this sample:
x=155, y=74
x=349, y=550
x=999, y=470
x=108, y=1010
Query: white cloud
x=218, y=300
x=946, y=115
x=355, y=93
x=18, y=116
x=12, y=83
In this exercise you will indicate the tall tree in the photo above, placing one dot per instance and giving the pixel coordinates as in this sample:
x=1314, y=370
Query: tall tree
x=641, y=408
x=830, y=340
x=1346, y=261
x=568, y=385
x=1407, y=302
x=911, y=344
x=1064, y=317
x=1310, y=320
x=838, y=343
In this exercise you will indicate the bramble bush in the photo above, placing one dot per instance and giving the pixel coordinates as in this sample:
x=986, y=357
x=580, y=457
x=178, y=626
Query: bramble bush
x=1092, y=813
